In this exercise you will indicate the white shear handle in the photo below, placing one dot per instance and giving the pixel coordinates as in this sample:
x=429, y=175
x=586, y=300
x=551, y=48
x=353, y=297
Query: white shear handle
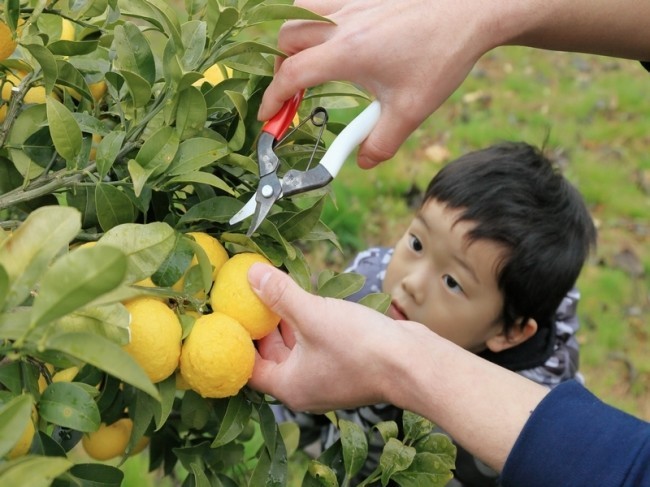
x=350, y=137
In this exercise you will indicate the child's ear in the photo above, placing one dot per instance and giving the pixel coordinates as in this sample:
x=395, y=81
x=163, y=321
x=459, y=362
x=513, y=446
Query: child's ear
x=518, y=334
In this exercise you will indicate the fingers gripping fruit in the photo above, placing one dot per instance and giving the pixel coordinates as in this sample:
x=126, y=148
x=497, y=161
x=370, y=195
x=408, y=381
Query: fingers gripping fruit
x=155, y=337
x=232, y=295
x=218, y=356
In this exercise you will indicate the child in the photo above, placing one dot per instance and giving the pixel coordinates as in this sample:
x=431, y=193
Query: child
x=488, y=262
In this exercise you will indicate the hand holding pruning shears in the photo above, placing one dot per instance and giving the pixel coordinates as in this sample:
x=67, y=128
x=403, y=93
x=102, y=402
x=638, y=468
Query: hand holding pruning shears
x=271, y=187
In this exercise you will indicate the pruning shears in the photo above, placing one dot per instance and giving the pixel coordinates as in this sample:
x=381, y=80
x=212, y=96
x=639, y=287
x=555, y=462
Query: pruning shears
x=271, y=188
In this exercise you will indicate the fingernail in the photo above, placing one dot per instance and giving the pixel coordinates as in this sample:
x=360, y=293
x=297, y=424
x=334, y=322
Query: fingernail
x=258, y=274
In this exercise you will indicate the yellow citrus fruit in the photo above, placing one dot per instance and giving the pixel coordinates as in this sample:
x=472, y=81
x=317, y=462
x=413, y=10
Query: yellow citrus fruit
x=65, y=375
x=35, y=94
x=215, y=74
x=98, y=90
x=146, y=282
x=140, y=445
x=7, y=42
x=3, y=113
x=67, y=30
x=155, y=341
x=96, y=139
x=24, y=443
x=232, y=295
x=218, y=356
x=109, y=441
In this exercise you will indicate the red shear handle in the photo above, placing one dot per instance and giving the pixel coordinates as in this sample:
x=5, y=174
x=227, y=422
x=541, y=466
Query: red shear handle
x=280, y=122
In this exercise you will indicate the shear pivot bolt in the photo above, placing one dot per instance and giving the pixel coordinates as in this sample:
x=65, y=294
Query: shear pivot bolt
x=267, y=191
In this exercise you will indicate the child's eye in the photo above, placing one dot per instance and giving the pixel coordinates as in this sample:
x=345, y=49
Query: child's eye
x=452, y=283
x=415, y=243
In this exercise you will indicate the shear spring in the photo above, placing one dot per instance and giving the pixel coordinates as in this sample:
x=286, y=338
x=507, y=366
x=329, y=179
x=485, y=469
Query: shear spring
x=318, y=118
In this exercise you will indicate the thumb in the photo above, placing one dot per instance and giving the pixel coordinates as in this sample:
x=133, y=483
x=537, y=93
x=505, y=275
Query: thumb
x=277, y=290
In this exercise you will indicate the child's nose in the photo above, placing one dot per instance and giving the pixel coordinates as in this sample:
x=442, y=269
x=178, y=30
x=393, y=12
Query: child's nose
x=415, y=283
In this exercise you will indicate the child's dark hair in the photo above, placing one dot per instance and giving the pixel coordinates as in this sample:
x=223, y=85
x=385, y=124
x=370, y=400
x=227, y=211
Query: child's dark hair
x=518, y=199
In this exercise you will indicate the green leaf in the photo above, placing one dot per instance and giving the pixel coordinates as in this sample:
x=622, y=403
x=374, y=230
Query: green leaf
x=271, y=468
x=194, y=35
x=104, y=354
x=265, y=13
x=39, y=148
x=26, y=255
x=238, y=413
x=415, y=426
x=290, y=433
x=201, y=177
x=70, y=76
x=301, y=223
x=299, y=270
x=139, y=175
x=110, y=321
x=171, y=66
x=175, y=265
x=107, y=152
x=355, y=447
x=440, y=445
x=73, y=48
x=76, y=279
x=64, y=129
x=425, y=469
x=35, y=471
x=195, y=410
x=387, y=430
x=395, y=457
x=4, y=286
x=113, y=206
x=69, y=405
x=192, y=113
x=158, y=152
x=15, y=323
x=219, y=209
x=162, y=409
x=14, y=416
x=377, y=301
x=48, y=64
x=96, y=475
x=134, y=52
x=220, y=19
x=246, y=47
x=341, y=285
x=146, y=246
x=139, y=87
x=197, y=153
x=200, y=479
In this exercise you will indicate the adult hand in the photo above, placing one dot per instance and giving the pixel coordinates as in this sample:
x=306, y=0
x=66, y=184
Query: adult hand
x=400, y=52
x=317, y=361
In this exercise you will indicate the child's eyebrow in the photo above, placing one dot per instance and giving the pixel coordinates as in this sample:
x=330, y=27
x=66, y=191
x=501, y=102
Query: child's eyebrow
x=456, y=258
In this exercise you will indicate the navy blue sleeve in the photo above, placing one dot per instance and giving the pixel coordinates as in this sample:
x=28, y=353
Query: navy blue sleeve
x=574, y=439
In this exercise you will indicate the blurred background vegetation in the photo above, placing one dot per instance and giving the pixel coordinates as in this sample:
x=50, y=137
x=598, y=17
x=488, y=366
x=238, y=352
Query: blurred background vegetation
x=590, y=114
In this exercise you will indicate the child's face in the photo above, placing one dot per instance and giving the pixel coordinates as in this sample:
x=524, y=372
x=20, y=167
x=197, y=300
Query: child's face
x=437, y=279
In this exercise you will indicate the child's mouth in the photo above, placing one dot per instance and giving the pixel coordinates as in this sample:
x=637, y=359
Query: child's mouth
x=396, y=312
